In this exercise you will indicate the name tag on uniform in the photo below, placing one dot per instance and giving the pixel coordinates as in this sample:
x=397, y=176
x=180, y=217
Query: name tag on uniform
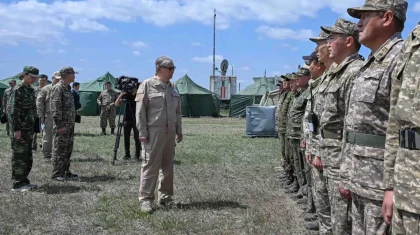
x=311, y=127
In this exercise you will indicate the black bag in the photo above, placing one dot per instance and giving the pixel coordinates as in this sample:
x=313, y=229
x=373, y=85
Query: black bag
x=3, y=118
x=78, y=118
x=37, y=126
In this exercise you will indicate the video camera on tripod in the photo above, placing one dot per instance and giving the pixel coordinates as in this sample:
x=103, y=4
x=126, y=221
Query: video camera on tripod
x=127, y=84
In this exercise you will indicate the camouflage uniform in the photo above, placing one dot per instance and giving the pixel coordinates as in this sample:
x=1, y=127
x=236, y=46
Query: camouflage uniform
x=365, y=127
x=4, y=105
x=63, y=113
x=34, y=139
x=108, y=111
x=44, y=112
x=320, y=189
x=284, y=101
x=335, y=96
x=289, y=142
x=21, y=109
x=401, y=163
x=313, y=84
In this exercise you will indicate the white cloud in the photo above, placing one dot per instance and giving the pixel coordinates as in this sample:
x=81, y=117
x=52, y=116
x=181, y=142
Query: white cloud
x=286, y=66
x=117, y=61
x=136, y=53
x=276, y=73
x=61, y=51
x=245, y=68
x=138, y=44
x=208, y=59
x=196, y=44
x=54, y=18
x=285, y=33
x=416, y=7
x=50, y=51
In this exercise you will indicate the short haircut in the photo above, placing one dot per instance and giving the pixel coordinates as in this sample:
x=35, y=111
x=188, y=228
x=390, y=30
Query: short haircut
x=75, y=84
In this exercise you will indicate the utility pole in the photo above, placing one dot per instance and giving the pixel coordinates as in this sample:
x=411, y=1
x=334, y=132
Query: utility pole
x=214, y=45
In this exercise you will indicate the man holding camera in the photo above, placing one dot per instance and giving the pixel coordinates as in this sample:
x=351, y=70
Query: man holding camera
x=158, y=116
x=129, y=122
x=106, y=101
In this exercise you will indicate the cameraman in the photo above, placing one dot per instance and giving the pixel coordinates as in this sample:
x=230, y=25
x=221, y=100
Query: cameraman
x=129, y=122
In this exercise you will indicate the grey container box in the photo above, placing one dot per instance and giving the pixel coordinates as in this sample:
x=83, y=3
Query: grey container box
x=261, y=121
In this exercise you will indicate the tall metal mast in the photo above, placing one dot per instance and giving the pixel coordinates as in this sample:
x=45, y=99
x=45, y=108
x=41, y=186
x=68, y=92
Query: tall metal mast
x=214, y=45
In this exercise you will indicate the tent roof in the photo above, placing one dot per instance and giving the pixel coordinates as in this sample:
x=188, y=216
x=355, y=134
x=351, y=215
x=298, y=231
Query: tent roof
x=3, y=85
x=260, y=87
x=99, y=84
x=187, y=86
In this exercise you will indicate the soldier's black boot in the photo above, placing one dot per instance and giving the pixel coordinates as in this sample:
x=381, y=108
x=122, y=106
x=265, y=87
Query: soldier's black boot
x=112, y=131
x=103, y=131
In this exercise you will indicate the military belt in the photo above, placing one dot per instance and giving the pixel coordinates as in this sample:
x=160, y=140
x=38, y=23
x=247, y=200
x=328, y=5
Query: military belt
x=331, y=134
x=409, y=139
x=375, y=141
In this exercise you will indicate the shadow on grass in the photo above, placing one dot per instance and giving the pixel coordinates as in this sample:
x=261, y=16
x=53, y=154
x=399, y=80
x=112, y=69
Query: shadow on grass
x=58, y=189
x=211, y=205
x=87, y=134
x=176, y=162
x=98, y=178
x=97, y=159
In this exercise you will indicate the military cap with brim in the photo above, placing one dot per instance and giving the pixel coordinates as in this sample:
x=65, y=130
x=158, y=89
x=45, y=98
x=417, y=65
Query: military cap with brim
x=342, y=26
x=34, y=72
x=56, y=75
x=286, y=77
x=67, y=70
x=321, y=37
x=303, y=71
x=279, y=83
x=398, y=8
x=312, y=56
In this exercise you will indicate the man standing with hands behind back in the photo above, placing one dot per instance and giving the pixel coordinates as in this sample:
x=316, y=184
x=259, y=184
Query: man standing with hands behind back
x=158, y=116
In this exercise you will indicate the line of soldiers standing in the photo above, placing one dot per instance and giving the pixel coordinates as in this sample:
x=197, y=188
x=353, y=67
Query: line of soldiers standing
x=350, y=141
x=55, y=107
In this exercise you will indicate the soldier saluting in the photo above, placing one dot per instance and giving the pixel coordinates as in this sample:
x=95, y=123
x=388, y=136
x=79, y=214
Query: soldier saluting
x=21, y=114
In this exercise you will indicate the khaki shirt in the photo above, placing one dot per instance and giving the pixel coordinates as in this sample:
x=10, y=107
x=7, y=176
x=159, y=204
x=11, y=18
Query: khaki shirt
x=43, y=104
x=158, y=107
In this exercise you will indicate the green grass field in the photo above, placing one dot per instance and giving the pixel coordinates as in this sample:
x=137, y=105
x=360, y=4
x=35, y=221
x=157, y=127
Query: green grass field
x=226, y=182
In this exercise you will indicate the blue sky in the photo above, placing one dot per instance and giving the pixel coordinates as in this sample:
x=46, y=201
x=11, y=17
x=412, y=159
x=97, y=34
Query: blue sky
x=124, y=37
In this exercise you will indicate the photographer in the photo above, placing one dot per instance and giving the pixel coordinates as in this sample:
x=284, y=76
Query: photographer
x=129, y=122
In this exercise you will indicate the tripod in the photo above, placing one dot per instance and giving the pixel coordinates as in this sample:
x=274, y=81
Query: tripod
x=120, y=125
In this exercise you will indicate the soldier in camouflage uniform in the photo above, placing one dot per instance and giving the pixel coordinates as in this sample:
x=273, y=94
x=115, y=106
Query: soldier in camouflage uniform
x=281, y=120
x=380, y=26
x=316, y=69
x=42, y=82
x=322, y=202
x=106, y=101
x=343, y=49
x=284, y=103
x=6, y=93
x=63, y=113
x=291, y=182
x=295, y=131
x=402, y=170
x=21, y=109
x=43, y=106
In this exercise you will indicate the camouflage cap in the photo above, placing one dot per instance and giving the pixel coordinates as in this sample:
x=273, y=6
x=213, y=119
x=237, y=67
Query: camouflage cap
x=56, y=75
x=34, y=72
x=302, y=71
x=43, y=76
x=312, y=56
x=279, y=83
x=343, y=26
x=322, y=36
x=286, y=77
x=67, y=70
x=398, y=8
x=293, y=76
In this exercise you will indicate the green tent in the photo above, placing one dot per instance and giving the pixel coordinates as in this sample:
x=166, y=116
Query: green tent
x=249, y=96
x=197, y=101
x=89, y=93
x=18, y=81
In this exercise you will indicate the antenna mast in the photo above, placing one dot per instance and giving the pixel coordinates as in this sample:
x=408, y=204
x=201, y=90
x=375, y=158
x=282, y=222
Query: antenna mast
x=214, y=45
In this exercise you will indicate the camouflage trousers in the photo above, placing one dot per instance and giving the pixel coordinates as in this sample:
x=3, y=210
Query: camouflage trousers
x=340, y=209
x=283, y=140
x=7, y=128
x=34, y=140
x=21, y=159
x=298, y=167
x=405, y=223
x=309, y=188
x=367, y=215
x=288, y=156
x=322, y=202
x=62, y=150
x=108, y=115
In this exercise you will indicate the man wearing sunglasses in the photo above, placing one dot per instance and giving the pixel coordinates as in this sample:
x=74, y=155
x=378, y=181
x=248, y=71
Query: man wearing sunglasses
x=158, y=118
x=21, y=111
x=343, y=49
x=12, y=84
x=380, y=26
